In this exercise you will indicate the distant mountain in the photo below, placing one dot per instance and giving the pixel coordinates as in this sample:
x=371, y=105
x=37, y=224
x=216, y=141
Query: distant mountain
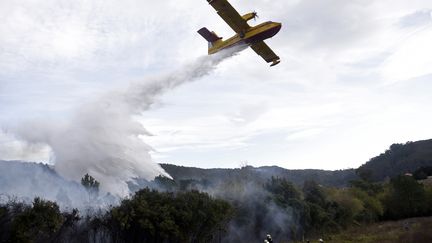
x=324, y=177
x=30, y=179
x=398, y=159
x=26, y=180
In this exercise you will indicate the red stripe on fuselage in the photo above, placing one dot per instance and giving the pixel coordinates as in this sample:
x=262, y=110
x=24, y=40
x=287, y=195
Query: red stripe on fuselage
x=258, y=37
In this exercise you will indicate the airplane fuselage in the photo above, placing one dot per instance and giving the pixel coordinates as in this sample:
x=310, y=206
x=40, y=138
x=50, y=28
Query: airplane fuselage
x=252, y=35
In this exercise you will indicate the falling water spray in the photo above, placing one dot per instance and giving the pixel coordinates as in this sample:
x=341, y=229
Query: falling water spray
x=104, y=139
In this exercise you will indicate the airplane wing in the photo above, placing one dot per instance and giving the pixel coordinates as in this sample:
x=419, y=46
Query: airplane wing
x=230, y=15
x=265, y=52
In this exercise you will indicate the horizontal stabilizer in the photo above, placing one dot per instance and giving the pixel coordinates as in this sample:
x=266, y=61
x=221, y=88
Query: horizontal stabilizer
x=209, y=36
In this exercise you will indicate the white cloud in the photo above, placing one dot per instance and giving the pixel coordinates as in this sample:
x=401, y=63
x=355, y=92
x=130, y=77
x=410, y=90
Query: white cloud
x=412, y=58
x=13, y=149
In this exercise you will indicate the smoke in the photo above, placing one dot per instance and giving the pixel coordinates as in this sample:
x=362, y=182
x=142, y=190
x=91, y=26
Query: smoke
x=257, y=213
x=104, y=139
x=25, y=181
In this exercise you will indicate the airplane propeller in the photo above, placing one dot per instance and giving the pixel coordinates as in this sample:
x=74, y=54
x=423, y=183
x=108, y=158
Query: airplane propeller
x=255, y=14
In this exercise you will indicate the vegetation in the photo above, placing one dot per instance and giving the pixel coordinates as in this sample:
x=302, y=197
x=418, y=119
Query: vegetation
x=398, y=159
x=149, y=216
x=423, y=172
x=244, y=205
x=90, y=184
x=247, y=212
x=337, y=178
x=414, y=230
x=240, y=211
x=40, y=222
x=406, y=198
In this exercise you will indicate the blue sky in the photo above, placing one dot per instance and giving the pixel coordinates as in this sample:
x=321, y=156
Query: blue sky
x=355, y=77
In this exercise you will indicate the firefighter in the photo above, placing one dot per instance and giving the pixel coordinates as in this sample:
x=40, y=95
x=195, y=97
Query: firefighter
x=269, y=239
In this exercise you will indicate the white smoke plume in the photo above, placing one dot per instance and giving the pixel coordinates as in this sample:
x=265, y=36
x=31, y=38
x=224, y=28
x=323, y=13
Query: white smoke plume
x=104, y=139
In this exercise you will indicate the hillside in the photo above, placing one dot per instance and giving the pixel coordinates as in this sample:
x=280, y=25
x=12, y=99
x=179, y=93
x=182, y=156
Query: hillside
x=412, y=230
x=27, y=180
x=219, y=205
x=261, y=174
x=398, y=159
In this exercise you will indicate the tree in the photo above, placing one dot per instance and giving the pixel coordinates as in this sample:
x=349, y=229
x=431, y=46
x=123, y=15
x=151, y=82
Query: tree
x=152, y=216
x=423, y=172
x=289, y=202
x=371, y=188
x=372, y=207
x=90, y=184
x=165, y=183
x=283, y=190
x=365, y=174
x=313, y=193
x=38, y=223
x=406, y=198
x=343, y=206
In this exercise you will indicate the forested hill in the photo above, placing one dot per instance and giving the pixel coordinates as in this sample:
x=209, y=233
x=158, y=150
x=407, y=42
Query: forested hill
x=398, y=159
x=324, y=177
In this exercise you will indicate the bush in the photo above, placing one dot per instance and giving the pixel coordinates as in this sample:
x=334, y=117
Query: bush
x=406, y=198
x=151, y=216
x=37, y=223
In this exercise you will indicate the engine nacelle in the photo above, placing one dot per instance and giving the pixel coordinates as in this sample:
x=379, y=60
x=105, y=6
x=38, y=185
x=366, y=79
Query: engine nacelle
x=249, y=16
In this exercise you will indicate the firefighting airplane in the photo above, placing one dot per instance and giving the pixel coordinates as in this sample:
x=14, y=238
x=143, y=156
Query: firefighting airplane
x=253, y=36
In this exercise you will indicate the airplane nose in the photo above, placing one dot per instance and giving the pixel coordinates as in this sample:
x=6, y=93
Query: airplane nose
x=277, y=27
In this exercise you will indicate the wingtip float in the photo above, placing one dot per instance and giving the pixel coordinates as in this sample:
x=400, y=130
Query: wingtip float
x=253, y=36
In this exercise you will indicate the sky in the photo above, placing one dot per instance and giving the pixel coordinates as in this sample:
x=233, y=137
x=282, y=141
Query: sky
x=354, y=78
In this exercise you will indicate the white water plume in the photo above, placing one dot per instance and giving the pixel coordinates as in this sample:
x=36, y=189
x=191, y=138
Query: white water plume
x=104, y=139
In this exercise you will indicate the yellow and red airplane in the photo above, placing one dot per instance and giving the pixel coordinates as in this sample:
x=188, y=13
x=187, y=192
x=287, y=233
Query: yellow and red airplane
x=253, y=36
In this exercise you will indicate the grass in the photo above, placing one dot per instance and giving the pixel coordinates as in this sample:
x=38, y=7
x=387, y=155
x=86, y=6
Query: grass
x=413, y=230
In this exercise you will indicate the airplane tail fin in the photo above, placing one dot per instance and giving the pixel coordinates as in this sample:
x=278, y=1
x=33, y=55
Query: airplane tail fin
x=211, y=37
